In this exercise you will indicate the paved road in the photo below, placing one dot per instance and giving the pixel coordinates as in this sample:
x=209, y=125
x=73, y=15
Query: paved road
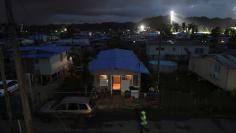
x=118, y=122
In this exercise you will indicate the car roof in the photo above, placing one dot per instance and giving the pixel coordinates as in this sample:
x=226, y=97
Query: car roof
x=75, y=100
x=7, y=81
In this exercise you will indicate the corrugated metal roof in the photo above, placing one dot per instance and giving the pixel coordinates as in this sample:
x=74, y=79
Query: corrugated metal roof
x=44, y=51
x=117, y=59
x=226, y=59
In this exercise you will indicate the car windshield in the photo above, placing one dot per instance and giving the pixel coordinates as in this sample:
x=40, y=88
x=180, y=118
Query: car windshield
x=11, y=83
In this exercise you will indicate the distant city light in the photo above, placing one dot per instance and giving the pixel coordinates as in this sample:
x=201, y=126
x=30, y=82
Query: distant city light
x=65, y=29
x=233, y=28
x=142, y=28
x=203, y=32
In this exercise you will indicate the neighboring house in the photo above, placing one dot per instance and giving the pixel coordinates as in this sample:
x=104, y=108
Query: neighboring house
x=83, y=41
x=115, y=70
x=176, y=50
x=25, y=41
x=45, y=62
x=140, y=37
x=219, y=69
x=41, y=38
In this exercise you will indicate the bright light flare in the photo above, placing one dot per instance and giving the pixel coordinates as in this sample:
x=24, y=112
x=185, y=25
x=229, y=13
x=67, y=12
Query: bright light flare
x=172, y=15
x=142, y=28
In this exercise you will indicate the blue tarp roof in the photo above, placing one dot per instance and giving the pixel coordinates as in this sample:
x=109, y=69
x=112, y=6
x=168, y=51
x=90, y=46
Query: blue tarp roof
x=117, y=59
x=44, y=51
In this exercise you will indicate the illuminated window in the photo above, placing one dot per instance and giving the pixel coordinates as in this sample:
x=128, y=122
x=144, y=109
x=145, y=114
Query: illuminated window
x=103, y=80
x=103, y=77
x=116, y=82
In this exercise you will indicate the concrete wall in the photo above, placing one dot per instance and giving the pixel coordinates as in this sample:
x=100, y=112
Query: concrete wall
x=204, y=67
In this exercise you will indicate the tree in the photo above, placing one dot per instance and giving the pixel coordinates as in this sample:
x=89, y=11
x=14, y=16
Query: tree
x=230, y=32
x=176, y=27
x=166, y=32
x=183, y=26
x=192, y=28
x=215, y=32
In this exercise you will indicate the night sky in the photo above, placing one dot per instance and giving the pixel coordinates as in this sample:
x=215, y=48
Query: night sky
x=80, y=11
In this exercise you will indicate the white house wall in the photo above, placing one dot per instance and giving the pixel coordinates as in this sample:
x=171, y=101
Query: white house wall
x=231, y=85
x=51, y=65
x=43, y=66
x=57, y=64
x=204, y=68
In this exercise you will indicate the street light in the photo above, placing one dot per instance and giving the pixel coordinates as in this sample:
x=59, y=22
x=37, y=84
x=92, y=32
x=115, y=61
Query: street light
x=172, y=15
x=142, y=28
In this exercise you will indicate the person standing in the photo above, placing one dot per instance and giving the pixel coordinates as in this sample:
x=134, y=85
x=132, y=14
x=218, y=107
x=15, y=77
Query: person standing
x=143, y=122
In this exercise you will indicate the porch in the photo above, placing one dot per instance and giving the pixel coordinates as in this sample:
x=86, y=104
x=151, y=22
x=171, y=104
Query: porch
x=117, y=84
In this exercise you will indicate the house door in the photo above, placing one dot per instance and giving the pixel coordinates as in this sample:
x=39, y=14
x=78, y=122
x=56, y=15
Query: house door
x=116, y=83
x=125, y=83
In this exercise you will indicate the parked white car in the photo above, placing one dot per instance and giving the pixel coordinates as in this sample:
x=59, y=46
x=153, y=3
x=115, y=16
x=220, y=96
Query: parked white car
x=11, y=84
x=69, y=107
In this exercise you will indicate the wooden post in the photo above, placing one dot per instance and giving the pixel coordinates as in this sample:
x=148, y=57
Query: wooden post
x=6, y=94
x=19, y=70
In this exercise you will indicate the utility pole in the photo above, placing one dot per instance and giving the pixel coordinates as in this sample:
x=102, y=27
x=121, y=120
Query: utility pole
x=6, y=94
x=158, y=62
x=158, y=67
x=19, y=71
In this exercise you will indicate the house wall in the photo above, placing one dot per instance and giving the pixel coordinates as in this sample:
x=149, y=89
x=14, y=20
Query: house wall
x=44, y=66
x=173, y=50
x=52, y=65
x=204, y=67
x=231, y=80
x=58, y=62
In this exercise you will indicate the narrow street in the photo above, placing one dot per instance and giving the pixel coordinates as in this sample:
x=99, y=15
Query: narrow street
x=126, y=122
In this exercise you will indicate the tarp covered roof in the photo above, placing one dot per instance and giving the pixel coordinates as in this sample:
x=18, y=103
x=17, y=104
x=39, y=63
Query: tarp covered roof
x=117, y=59
x=44, y=51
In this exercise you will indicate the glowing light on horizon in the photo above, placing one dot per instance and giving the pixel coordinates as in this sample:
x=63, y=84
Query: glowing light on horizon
x=142, y=27
x=172, y=16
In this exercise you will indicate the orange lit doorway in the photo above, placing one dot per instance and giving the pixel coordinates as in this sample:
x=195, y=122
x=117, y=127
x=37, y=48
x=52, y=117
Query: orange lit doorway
x=116, y=82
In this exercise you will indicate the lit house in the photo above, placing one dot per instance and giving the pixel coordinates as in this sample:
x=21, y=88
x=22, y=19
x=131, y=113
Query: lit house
x=219, y=69
x=115, y=70
x=45, y=63
x=176, y=50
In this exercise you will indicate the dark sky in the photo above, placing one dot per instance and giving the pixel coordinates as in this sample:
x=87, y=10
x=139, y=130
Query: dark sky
x=79, y=11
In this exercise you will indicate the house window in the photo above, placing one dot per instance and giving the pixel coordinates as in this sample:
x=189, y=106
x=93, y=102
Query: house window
x=128, y=77
x=135, y=80
x=103, y=80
